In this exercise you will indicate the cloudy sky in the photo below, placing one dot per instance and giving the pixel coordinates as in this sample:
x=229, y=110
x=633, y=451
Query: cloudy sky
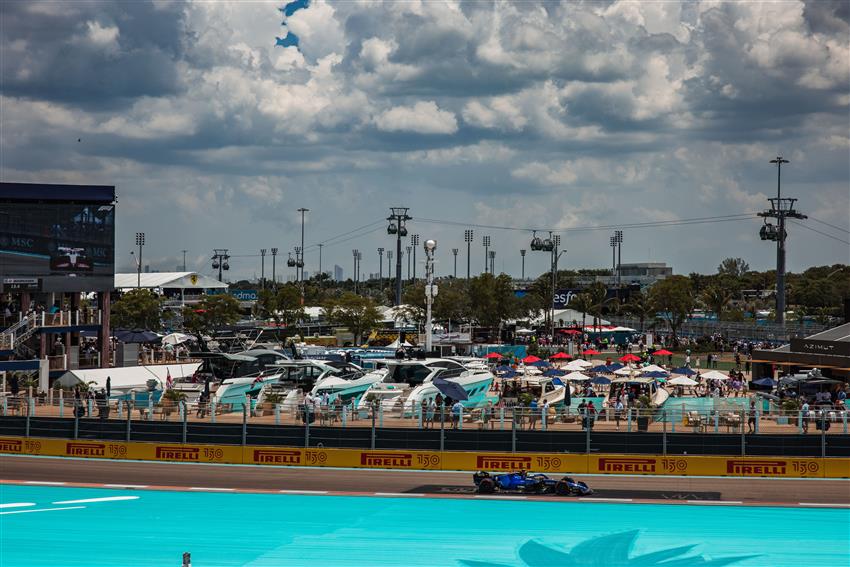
x=217, y=120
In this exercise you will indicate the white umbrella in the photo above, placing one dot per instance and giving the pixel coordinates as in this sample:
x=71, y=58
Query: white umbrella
x=578, y=376
x=577, y=364
x=624, y=371
x=652, y=368
x=524, y=332
x=175, y=339
x=714, y=375
x=682, y=381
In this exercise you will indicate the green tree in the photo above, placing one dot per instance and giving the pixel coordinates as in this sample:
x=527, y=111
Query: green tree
x=582, y=302
x=735, y=267
x=211, y=312
x=673, y=298
x=359, y=314
x=639, y=306
x=492, y=299
x=599, y=300
x=138, y=309
x=282, y=305
x=716, y=298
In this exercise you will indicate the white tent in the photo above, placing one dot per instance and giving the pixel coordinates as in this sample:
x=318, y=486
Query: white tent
x=577, y=376
x=653, y=368
x=396, y=344
x=714, y=375
x=577, y=364
x=682, y=381
x=127, y=378
x=167, y=280
x=625, y=371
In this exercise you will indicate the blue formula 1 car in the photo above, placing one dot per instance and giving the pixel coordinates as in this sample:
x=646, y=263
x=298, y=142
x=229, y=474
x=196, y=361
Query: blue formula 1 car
x=485, y=483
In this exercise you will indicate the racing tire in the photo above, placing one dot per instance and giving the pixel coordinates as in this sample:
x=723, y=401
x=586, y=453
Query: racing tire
x=486, y=486
x=562, y=488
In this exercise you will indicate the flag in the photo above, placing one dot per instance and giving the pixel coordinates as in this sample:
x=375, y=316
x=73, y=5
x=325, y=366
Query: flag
x=169, y=382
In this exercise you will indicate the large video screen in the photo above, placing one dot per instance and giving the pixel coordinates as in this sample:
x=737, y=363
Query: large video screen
x=60, y=246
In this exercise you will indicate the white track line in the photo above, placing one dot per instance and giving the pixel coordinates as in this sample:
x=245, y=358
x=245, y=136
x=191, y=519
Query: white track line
x=591, y=499
x=303, y=491
x=488, y=497
x=715, y=502
x=399, y=494
x=42, y=510
x=211, y=489
x=44, y=482
x=107, y=499
x=17, y=504
x=824, y=505
x=125, y=485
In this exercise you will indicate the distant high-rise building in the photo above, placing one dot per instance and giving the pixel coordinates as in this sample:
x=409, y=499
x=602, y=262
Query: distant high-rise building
x=147, y=268
x=337, y=273
x=305, y=275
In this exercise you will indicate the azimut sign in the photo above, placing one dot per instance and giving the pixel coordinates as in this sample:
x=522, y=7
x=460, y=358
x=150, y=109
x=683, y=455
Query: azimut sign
x=831, y=348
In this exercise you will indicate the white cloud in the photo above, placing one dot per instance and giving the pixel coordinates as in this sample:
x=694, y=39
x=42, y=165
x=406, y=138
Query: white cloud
x=422, y=118
x=102, y=36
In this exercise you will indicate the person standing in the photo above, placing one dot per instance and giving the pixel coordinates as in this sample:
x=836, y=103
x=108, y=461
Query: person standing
x=804, y=412
x=457, y=414
x=618, y=412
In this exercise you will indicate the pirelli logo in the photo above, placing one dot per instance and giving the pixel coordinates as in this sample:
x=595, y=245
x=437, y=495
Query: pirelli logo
x=85, y=449
x=390, y=460
x=503, y=462
x=277, y=457
x=11, y=446
x=178, y=453
x=761, y=467
x=626, y=465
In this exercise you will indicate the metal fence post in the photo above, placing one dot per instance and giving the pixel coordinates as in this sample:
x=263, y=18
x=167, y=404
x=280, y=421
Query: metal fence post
x=442, y=427
x=743, y=435
x=502, y=420
x=758, y=421
x=344, y=417
x=212, y=411
x=460, y=418
x=28, y=418
x=129, y=417
x=823, y=433
x=31, y=408
x=629, y=421
x=419, y=411
x=543, y=416
x=76, y=425
x=150, y=406
x=61, y=403
x=119, y=409
x=307, y=415
x=844, y=419
x=664, y=432
x=800, y=422
x=716, y=422
x=277, y=414
x=185, y=419
x=513, y=430
x=244, y=424
x=587, y=424
x=381, y=415
x=373, y=425
x=673, y=419
x=89, y=407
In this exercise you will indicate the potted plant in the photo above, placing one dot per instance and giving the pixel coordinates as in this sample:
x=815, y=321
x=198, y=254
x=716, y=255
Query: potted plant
x=644, y=405
x=270, y=400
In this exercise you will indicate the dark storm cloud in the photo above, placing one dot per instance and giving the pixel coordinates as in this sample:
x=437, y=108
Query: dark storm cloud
x=50, y=54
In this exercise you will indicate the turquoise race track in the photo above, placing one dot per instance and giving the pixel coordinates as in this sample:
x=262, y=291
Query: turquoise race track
x=60, y=526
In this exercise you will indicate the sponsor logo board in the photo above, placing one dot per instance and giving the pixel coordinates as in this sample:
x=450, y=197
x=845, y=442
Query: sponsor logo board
x=761, y=467
x=385, y=459
x=191, y=454
x=85, y=449
x=503, y=462
x=11, y=446
x=626, y=465
x=277, y=457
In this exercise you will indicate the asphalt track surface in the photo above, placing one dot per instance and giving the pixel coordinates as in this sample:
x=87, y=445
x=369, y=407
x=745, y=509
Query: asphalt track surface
x=753, y=491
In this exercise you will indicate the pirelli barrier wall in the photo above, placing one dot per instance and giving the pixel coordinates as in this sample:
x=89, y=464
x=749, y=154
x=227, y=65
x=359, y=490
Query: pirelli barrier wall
x=435, y=460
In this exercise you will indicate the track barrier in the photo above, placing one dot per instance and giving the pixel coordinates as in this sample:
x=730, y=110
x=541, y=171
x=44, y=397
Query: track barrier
x=576, y=463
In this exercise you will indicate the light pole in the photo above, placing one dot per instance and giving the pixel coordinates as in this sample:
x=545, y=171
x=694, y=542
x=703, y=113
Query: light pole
x=414, y=241
x=263, y=268
x=355, y=273
x=299, y=266
x=550, y=245
x=455, y=251
x=184, y=259
x=389, y=265
x=408, y=248
x=140, y=241
x=780, y=209
x=618, y=239
x=467, y=237
x=381, y=268
x=320, y=259
x=522, y=254
x=274, y=268
x=302, y=210
x=492, y=254
x=398, y=216
x=430, y=290
x=486, y=242
x=612, y=242
x=220, y=262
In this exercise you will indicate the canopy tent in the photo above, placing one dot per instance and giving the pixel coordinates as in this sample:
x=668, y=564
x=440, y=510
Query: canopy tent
x=660, y=376
x=653, y=368
x=167, y=280
x=577, y=376
x=130, y=377
x=714, y=375
x=396, y=344
x=577, y=365
x=682, y=381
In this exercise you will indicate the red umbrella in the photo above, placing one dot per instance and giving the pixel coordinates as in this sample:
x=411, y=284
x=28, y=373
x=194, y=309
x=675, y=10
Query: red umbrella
x=590, y=352
x=570, y=331
x=560, y=356
x=662, y=352
x=531, y=359
x=493, y=355
x=629, y=358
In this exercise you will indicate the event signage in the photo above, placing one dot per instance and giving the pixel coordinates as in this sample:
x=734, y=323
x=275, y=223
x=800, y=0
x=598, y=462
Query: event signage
x=811, y=346
x=21, y=284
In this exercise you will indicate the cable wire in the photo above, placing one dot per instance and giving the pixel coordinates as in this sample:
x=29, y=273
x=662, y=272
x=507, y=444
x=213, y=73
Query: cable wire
x=819, y=232
x=844, y=230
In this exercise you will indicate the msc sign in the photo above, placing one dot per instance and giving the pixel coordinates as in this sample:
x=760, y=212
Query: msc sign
x=764, y=467
x=503, y=462
x=191, y=454
x=390, y=460
x=626, y=465
x=277, y=457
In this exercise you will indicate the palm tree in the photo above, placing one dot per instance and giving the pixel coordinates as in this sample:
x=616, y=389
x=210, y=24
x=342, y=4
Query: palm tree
x=582, y=302
x=716, y=298
x=599, y=300
x=640, y=307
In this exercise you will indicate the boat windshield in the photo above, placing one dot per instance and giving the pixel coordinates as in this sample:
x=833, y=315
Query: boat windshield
x=412, y=374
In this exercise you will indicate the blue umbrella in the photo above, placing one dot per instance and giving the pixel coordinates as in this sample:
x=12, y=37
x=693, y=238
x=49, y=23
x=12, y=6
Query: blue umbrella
x=655, y=374
x=540, y=363
x=503, y=368
x=765, y=382
x=601, y=368
x=683, y=371
x=507, y=375
x=615, y=366
x=600, y=380
x=557, y=382
x=451, y=390
x=554, y=372
x=135, y=336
